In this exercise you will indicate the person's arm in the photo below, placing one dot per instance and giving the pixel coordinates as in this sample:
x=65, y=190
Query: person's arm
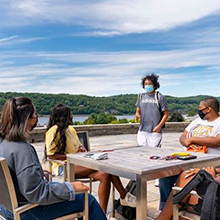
x=138, y=114
x=138, y=109
x=33, y=187
x=57, y=156
x=204, y=141
x=82, y=148
x=183, y=138
x=164, y=109
x=162, y=122
x=36, y=190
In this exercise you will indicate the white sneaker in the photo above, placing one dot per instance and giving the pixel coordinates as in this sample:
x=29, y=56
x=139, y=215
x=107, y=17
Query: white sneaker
x=108, y=216
x=156, y=184
x=129, y=200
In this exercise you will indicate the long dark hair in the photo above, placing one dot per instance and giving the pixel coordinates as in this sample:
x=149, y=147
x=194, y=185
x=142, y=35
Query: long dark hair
x=60, y=116
x=14, y=119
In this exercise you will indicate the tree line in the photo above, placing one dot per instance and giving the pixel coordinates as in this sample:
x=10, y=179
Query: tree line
x=114, y=105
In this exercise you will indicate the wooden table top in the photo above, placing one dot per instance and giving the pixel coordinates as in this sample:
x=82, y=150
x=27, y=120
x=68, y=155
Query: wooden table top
x=133, y=161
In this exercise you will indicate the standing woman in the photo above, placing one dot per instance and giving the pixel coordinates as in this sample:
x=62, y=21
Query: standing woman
x=152, y=110
x=18, y=118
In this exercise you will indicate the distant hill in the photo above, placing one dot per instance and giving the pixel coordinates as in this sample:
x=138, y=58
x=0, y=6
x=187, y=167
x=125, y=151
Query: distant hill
x=118, y=104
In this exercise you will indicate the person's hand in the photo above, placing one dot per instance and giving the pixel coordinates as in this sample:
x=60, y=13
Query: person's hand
x=188, y=142
x=211, y=170
x=137, y=117
x=79, y=186
x=191, y=172
x=157, y=129
x=82, y=149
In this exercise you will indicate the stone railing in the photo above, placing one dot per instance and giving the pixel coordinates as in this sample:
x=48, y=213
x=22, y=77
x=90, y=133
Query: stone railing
x=37, y=135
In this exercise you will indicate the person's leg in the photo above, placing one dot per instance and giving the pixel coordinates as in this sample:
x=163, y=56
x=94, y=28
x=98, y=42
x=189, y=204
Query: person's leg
x=104, y=185
x=167, y=211
x=82, y=171
x=104, y=188
x=142, y=138
x=118, y=185
x=154, y=140
x=126, y=198
x=56, y=210
x=165, y=187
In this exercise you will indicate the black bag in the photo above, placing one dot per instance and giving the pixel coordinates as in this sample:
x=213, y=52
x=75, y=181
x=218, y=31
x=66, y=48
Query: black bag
x=208, y=189
x=127, y=212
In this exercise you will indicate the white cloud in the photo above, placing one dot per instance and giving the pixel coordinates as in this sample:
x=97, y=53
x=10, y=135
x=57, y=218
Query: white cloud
x=109, y=73
x=15, y=83
x=15, y=40
x=124, y=16
x=98, y=34
x=8, y=38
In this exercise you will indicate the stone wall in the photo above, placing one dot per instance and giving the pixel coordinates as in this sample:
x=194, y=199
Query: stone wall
x=37, y=135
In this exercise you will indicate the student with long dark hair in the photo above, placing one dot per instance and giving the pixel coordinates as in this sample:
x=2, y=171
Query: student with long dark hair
x=18, y=118
x=61, y=139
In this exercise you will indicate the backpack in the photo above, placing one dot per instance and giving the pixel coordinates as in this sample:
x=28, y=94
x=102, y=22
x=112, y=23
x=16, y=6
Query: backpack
x=208, y=208
x=157, y=97
x=127, y=212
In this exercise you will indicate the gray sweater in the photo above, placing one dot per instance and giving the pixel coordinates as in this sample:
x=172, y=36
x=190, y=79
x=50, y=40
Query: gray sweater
x=27, y=175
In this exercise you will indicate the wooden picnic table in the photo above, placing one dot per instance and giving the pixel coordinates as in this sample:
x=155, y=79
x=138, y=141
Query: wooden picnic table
x=134, y=163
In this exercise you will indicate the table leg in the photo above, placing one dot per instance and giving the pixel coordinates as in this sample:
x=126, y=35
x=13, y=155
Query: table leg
x=70, y=171
x=141, y=198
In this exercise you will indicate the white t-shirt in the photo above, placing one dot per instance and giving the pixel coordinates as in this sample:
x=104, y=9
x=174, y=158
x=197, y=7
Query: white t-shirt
x=204, y=128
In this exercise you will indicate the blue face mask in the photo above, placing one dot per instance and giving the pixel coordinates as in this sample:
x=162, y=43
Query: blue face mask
x=149, y=88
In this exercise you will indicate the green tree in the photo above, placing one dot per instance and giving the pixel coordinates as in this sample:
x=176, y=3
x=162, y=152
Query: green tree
x=176, y=117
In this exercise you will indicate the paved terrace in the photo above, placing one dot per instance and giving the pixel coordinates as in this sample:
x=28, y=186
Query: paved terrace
x=170, y=140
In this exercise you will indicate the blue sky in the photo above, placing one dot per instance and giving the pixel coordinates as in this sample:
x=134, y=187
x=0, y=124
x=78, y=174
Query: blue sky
x=105, y=47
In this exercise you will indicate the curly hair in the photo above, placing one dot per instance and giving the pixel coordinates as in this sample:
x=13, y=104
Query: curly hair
x=153, y=78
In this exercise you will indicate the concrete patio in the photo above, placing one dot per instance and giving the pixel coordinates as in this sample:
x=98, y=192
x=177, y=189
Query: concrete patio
x=170, y=140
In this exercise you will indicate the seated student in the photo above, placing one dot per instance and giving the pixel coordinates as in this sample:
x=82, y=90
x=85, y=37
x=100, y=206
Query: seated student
x=184, y=178
x=18, y=118
x=61, y=139
x=204, y=131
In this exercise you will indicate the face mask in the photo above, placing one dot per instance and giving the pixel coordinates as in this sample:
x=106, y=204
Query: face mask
x=149, y=88
x=201, y=114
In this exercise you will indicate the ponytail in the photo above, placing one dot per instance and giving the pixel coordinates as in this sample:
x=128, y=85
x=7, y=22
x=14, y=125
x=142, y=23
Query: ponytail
x=14, y=119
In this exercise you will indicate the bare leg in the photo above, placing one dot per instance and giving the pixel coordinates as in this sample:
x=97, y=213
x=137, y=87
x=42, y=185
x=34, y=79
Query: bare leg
x=167, y=212
x=104, y=188
x=118, y=185
x=104, y=185
x=84, y=172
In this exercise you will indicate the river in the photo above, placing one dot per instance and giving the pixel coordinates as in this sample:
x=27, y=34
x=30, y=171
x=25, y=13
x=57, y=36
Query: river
x=43, y=120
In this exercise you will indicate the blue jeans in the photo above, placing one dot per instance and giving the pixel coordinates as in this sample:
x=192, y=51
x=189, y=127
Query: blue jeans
x=48, y=212
x=165, y=187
